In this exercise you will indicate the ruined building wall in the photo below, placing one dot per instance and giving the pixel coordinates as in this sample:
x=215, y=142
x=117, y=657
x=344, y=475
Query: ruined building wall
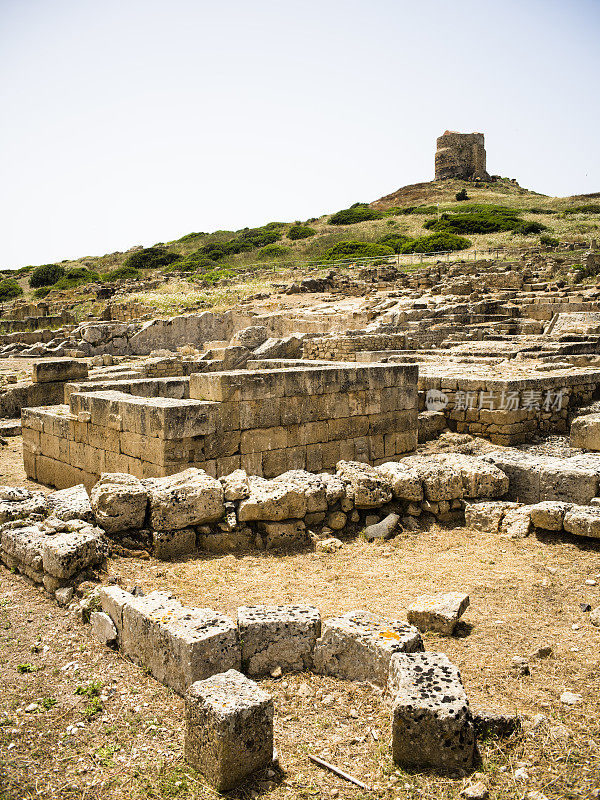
x=460, y=155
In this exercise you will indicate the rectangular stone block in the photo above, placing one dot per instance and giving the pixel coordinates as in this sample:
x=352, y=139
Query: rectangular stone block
x=178, y=645
x=58, y=369
x=432, y=726
x=228, y=729
x=359, y=646
x=278, y=636
x=113, y=600
x=66, y=554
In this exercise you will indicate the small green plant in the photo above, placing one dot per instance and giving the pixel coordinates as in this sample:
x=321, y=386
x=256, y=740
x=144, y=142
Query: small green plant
x=359, y=212
x=48, y=702
x=549, y=241
x=42, y=292
x=92, y=689
x=298, y=231
x=462, y=195
x=273, y=251
x=9, y=289
x=46, y=275
x=529, y=228
x=588, y=208
x=104, y=755
x=93, y=708
x=127, y=272
x=23, y=669
x=352, y=249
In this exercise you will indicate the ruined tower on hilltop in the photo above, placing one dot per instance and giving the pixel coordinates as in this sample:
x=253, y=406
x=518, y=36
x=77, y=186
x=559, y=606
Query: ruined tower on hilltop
x=460, y=155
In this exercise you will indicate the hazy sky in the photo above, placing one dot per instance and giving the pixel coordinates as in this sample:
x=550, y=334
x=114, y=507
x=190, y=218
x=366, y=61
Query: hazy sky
x=129, y=122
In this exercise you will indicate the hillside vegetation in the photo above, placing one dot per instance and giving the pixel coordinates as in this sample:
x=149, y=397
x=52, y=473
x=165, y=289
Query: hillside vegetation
x=420, y=218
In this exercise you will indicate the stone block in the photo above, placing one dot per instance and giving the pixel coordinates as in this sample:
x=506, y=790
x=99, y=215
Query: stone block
x=406, y=484
x=113, y=600
x=384, y=529
x=439, y=612
x=280, y=534
x=178, y=645
x=359, y=646
x=560, y=480
x=59, y=369
x=278, y=636
x=365, y=485
x=103, y=628
x=71, y=503
x=583, y=521
x=487, y=515
x=549, y=515
x=119, y=502
x=187, y=498
x=585, y=432
x=64, y=555
x=432, y=726
x=273, y=500
x=170, y=544
x=228, y=729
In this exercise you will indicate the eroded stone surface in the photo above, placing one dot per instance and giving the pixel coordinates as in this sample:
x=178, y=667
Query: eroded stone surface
x=188, y=498
x=119, y=502
x=439, y=612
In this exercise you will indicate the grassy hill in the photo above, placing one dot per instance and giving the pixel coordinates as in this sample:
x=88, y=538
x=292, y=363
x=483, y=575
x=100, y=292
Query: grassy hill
x=495, y=214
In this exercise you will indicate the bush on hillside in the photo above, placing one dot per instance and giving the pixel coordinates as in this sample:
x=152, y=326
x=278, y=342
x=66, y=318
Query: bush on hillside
x=246, y=240
x=76, y=276
x=588, y=208
x=395, y=240
x=273, y=251
x=359, y=212
x=42, y=292
x=122, y=273
x=46, y=275
x=436, y=243
x=213, y=276
x=482, y=221
x=151, y=258
x=462, y=195
x=529, y=228
x=300, y=232
x=549, y=241
x=349, y=250
x=9, y=289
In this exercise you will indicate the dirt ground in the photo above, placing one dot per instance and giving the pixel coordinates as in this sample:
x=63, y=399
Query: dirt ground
x=127, y=742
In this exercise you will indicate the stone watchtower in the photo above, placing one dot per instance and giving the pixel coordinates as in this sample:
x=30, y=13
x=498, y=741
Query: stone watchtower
x=460, y=155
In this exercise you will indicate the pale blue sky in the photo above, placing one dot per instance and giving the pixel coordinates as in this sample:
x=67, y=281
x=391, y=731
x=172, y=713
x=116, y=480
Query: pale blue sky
x=130, y=122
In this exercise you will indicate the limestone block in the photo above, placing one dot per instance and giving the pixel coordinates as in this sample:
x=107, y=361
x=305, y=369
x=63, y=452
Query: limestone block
x=59, y=369
x=235, y=485
x=405, y=481
x=119, y=502
x=334, y=488
x=523, y=472
x=278, y=636
x=583, y=521
x=228, y=729
x=585, y=432
x=17, y=503
x=479, y=479
x=103, y=627
x=273, y=501
x=560, y=480
x=66, y=554
x=438, y=612
x=187, y=498
x=170, y=544
x=365, y=486
x=312, y=486
x=178, y=645
x=113, y=600
x=441, y=481
x=251, y=337
x=549, y=515
x=516, y=523
x=384, y=529
x=71, y=503
x=487, y=515
x=359, y=646
x=23, y=546
x=278, y=534
x=432, y=725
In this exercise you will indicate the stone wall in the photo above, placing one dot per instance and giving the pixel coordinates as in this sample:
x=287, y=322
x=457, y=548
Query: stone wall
x=264, y=421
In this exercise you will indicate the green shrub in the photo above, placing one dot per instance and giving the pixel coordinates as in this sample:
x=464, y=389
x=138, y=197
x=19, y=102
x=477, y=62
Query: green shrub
x=436, y=243
x=350, y=250
x=77, y=276
x=417, y=210
x=359, y=212
x=300, y=232
x=46, y=275
x=215, y=275
x=395, y=240
x=273, y=251
x=122, y=273
x=462, y=195
x=42, y=292
x=476, y=219
x=529, y=228
x=9, y=289
x=549, y=241
x=588, y=208
x=151, y=258
x=246, y=240
x=189, y=236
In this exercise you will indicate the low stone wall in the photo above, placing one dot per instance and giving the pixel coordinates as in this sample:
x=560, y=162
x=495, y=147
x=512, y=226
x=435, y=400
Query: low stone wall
x=46, y=388
x=264, y=421
x=344, y=347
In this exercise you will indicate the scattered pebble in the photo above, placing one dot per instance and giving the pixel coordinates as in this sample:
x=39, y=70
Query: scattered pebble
x=570, y=698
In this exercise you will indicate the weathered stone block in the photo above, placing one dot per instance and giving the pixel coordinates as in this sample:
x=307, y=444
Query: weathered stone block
x=583, y=521
x=59, y=369
x=365, y=485
x=585, y=432
x=187, y=498
x=359, y=646
x=278, y=636
x=71, y=503
x=432, y=725
x=170, y=544
x=66, y=554
x=119, y=502
x=228, y=729
x=438, y=612
x=103, y=627
x=406, y=484
x=549, y=515
x=113, y=600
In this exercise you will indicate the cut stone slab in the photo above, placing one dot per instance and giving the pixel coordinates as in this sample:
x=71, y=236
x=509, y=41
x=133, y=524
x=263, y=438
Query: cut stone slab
x=119, y=502
x=113, y=600
x=585, y=432
x=384, y=529
x=583, y=521
x=365, y=485
x=71, y=503
x=278, y=636
x=188, y=498
x=432, y=725
x=495, y=723
x=439, y=612
x=170, y=544
x=406, y=484
x=359, y=645
x=103, y=627
x=66, y=554
x=549, y=515
x=178, y=645
x=228, y=729
x=488, y=515
x=479, y=479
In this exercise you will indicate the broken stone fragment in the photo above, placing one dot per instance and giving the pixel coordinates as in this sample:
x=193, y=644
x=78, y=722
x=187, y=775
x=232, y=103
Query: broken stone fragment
x=432, y=725
x=103, y=627
x=71, y=503
x=384, y=529
x=235, y=485
x=439, y=612
x=365, y=485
